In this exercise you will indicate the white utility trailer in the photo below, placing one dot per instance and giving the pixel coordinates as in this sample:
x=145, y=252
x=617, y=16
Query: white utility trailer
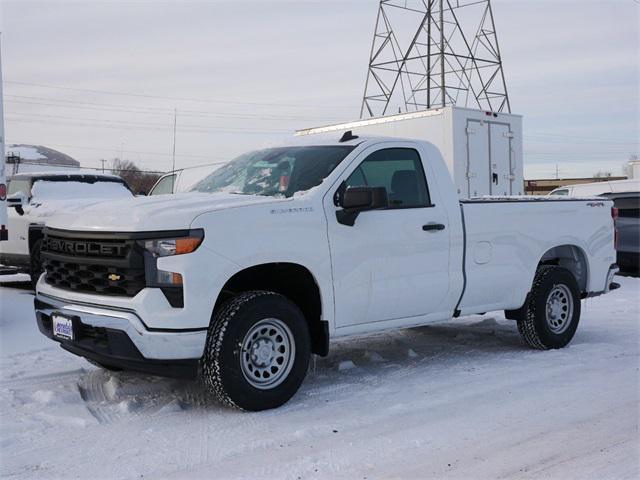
x=483, y=150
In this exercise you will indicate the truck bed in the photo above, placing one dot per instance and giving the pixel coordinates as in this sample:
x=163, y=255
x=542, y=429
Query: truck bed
x=506, y=237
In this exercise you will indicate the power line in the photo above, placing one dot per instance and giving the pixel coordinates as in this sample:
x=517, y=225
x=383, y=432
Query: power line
x=163, y=97
x=50, y=102
x=136, y=126
x=128, y=122
x=582, y=154
x=84, y=147
x=579, y=139
x=81, y=167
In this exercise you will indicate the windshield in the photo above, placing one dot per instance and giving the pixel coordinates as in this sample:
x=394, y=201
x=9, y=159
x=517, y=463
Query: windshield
x=276, y=172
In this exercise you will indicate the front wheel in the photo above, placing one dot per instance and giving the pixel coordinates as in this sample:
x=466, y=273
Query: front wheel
x=552, y=312
x=257, y=351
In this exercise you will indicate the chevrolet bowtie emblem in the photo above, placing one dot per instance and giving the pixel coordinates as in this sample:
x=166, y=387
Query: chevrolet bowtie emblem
x=113, y=277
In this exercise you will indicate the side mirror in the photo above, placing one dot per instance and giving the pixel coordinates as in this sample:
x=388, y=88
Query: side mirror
x=18, y=201
x=354, y=200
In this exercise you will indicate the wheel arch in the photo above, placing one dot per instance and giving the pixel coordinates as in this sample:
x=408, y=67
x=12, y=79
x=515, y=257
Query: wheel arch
x=294, y=281
x=571, y=257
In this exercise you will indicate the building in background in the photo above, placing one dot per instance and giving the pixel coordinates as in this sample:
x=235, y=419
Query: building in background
x=36, y=158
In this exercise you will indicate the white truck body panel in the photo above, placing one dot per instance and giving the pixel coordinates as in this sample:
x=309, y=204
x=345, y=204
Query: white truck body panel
x=482, y=150
x=500, y=246
x=384, y=272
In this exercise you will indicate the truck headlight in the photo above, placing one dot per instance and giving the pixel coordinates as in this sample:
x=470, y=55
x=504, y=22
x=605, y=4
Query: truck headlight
x=175, y=243
x=165, y=247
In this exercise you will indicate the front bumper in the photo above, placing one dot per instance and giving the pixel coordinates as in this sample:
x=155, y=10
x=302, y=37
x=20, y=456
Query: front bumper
x=119, y=338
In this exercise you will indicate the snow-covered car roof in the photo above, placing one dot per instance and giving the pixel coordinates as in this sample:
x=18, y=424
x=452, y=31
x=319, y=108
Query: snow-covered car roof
x=62, y=175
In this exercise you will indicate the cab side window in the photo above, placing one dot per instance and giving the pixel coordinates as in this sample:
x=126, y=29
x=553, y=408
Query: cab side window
x=400, y=171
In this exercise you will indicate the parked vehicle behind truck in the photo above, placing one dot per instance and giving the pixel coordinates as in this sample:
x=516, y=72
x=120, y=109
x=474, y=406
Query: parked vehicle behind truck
x=283, y=249
x=627, y=205
x=32, y=198
x=626, y=199
x=598, y=188
x=181, y=180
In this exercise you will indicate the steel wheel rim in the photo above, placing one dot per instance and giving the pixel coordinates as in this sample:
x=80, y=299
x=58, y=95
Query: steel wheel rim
x=267, y=355
x=559, y=308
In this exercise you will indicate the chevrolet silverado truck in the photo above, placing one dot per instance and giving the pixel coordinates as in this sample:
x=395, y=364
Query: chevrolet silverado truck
x=281, y=250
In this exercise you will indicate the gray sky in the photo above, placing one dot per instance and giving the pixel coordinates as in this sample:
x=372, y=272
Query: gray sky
x=242, y=74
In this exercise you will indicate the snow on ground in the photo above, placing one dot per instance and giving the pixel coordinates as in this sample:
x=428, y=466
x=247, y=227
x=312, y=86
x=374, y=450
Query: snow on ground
x=462, y=399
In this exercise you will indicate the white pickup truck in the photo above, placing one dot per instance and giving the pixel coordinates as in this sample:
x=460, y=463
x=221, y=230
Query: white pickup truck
x=283, y=249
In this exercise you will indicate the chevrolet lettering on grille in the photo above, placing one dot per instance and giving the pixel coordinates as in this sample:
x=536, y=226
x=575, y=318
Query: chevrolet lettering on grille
x=75, y=247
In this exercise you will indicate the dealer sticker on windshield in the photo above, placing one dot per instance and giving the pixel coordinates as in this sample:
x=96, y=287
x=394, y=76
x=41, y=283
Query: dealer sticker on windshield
x=62, y=327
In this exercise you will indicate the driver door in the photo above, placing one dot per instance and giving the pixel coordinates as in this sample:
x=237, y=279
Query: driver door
x=388, y=265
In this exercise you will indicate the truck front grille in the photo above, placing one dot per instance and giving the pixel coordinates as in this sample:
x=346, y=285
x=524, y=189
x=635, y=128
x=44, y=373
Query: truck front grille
x=89, y=264
x=84, y=277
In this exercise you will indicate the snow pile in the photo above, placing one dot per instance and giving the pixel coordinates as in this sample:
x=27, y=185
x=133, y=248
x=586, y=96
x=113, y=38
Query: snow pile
x=461, y=399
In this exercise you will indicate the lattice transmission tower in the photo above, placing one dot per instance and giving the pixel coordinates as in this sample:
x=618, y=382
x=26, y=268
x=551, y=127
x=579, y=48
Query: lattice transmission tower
x=432, y=53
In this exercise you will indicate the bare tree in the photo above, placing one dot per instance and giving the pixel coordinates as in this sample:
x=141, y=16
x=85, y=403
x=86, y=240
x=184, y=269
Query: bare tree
x=603, y=174
x=139, y=181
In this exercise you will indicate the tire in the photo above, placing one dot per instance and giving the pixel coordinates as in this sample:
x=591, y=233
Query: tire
x=257, y=351
x=552, y=309
x=35, y=263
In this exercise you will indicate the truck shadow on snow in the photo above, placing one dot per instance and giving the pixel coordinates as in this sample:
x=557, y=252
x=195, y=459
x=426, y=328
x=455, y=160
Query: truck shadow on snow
x=354, y=367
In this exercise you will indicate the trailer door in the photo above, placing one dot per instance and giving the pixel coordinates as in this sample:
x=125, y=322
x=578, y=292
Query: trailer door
x=500, y=156
x=478, y=175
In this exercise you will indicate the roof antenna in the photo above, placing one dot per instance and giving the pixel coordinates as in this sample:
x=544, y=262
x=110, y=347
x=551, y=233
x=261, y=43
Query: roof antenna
x=348, y=135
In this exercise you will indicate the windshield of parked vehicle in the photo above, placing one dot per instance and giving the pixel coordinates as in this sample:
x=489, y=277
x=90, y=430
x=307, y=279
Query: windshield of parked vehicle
x=275, y=172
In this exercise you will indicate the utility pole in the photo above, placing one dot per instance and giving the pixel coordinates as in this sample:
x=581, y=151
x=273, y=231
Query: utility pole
x=173, y=154
x=557, y=172
x=103, y=160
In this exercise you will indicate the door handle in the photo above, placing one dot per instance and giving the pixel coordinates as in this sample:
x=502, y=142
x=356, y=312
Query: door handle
x=429, y=227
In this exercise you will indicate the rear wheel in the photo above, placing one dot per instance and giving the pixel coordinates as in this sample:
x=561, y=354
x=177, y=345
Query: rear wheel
x=552, y=312
x=257, y=351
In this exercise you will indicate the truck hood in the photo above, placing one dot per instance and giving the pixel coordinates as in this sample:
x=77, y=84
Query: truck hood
x=161, y=212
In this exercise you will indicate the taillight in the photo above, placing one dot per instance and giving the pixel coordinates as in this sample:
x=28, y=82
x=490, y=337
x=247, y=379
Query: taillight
x=3, y=192
x=614, y=215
